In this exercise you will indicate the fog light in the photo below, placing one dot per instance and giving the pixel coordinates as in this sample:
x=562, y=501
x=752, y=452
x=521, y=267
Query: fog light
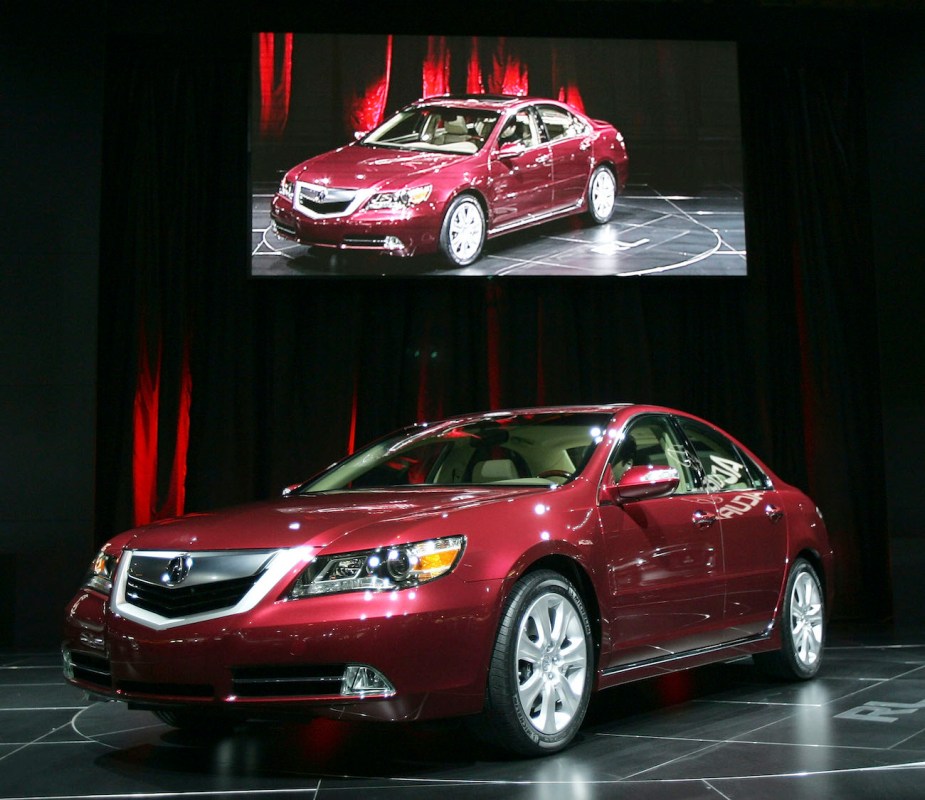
x=393, y=243
x=68, y=664
x=360, y=679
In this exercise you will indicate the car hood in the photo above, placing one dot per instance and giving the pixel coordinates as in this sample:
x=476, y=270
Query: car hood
x=357, y=166
x=361, y=519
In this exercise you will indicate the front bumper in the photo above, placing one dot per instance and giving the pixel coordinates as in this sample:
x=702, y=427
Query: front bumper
x=406, y=233
x=432, y=644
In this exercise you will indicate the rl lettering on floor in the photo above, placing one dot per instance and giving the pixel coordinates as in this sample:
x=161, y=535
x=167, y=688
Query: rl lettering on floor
x=876, y=711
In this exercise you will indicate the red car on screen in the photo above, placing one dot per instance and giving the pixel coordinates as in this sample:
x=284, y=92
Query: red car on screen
x=446, y=173
x=500, y=566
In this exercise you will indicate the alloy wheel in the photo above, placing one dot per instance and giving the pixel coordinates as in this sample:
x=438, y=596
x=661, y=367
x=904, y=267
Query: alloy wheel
x=551, y=663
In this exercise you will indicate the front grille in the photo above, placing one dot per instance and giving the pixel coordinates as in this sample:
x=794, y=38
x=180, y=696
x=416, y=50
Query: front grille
x=288, y=680
x=323, y=201
x=187, y=600
x=325, y=209
x=91, y=669
x=201, y=690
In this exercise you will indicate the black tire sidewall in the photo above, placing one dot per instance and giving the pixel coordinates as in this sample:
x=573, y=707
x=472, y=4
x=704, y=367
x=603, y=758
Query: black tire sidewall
x=788, y=648
x=591, y=210
x=503, y=687
x=445, y=248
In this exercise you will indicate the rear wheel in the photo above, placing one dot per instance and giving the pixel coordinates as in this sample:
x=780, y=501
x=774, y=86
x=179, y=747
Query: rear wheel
x=542, y=667
x=802, y=627
x=602, y=195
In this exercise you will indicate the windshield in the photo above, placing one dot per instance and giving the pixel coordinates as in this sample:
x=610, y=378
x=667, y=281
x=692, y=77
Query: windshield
x=527, y=450
x=435, y=128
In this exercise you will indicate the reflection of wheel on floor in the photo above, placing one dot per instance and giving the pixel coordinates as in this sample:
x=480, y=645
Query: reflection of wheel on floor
x=602, y=194
x=462, y=234
x=542, y=667
x=802, y=627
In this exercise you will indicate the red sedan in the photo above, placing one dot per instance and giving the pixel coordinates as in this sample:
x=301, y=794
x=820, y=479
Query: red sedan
x=446, y=173
x=501, y=565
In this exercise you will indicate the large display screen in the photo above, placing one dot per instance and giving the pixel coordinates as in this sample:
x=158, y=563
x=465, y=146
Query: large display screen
x=379, y=155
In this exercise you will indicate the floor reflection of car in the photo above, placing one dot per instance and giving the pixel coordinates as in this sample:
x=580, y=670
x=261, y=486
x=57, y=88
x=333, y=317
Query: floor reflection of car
x=498, y=566
x=446, y=173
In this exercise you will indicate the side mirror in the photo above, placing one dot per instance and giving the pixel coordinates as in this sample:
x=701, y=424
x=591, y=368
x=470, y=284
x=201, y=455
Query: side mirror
x=641, y=482
x=290, y=489
x=511, y=150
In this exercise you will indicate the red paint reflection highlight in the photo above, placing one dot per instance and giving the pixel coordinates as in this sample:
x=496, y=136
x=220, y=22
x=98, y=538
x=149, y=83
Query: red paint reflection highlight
x=367, y=111
x=677, y=687
x=494, y=355
x=571, y=96
x=352, y=435
x=275, y=89
x=176, y=491
x=474, y=82
x=509, y=75
x=436, y=68
x=145, y=436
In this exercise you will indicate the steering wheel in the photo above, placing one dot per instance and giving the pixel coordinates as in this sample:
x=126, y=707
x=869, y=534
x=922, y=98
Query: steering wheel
x=555, y=473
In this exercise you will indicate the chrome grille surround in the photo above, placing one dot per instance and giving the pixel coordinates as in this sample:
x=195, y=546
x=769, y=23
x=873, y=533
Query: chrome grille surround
x=149, y=589
x=324, y=202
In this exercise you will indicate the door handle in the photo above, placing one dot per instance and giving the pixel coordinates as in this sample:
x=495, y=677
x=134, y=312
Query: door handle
x=703, y=519
x=773, y=513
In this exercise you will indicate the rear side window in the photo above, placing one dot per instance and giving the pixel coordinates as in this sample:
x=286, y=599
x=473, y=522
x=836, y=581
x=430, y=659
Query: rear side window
x=725, y=467
x=559, y=123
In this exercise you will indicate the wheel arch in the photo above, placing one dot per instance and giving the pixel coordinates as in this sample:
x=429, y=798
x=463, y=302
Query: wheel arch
x=576, y=574
x=619, y=175
x=814, y=559
x=475, y=193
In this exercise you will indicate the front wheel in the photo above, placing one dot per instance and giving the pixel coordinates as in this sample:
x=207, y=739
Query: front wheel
x=462, y=234
x=542, y=667
x=802, y=627
x=602, y=195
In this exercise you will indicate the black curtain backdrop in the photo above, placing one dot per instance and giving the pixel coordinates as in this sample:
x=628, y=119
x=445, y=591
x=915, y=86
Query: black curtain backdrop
x=786, y=358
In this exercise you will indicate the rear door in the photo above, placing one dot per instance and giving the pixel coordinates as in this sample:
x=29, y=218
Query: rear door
x=571, y=142
x=754, y=529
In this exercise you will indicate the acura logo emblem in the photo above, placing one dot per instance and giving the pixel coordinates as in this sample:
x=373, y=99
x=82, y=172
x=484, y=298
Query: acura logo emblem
x=177, y=570
x=314, y=195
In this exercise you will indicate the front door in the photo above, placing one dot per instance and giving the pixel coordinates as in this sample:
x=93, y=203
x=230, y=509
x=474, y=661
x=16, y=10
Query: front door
x=521, y=178
x=665, y=555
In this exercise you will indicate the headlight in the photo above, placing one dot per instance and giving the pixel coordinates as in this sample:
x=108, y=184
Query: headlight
x=99, y=576
x=286, y=188
x=401, y=198
x=398, y=567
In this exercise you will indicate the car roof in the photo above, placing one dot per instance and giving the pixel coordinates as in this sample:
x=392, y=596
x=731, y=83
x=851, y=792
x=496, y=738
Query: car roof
x=608, y=408
x=495, y=102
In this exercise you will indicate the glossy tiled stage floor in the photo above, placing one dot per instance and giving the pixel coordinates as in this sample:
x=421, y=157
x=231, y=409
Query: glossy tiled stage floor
x=857, y=731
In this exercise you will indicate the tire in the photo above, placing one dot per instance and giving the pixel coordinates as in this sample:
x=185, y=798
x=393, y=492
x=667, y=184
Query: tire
x=602, y=195
x=462, y=234
x=802, y=627
x=542, y=668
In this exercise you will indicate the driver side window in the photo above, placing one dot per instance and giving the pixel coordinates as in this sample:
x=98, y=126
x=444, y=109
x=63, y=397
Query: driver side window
x=651, y=441
x=519, y=129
